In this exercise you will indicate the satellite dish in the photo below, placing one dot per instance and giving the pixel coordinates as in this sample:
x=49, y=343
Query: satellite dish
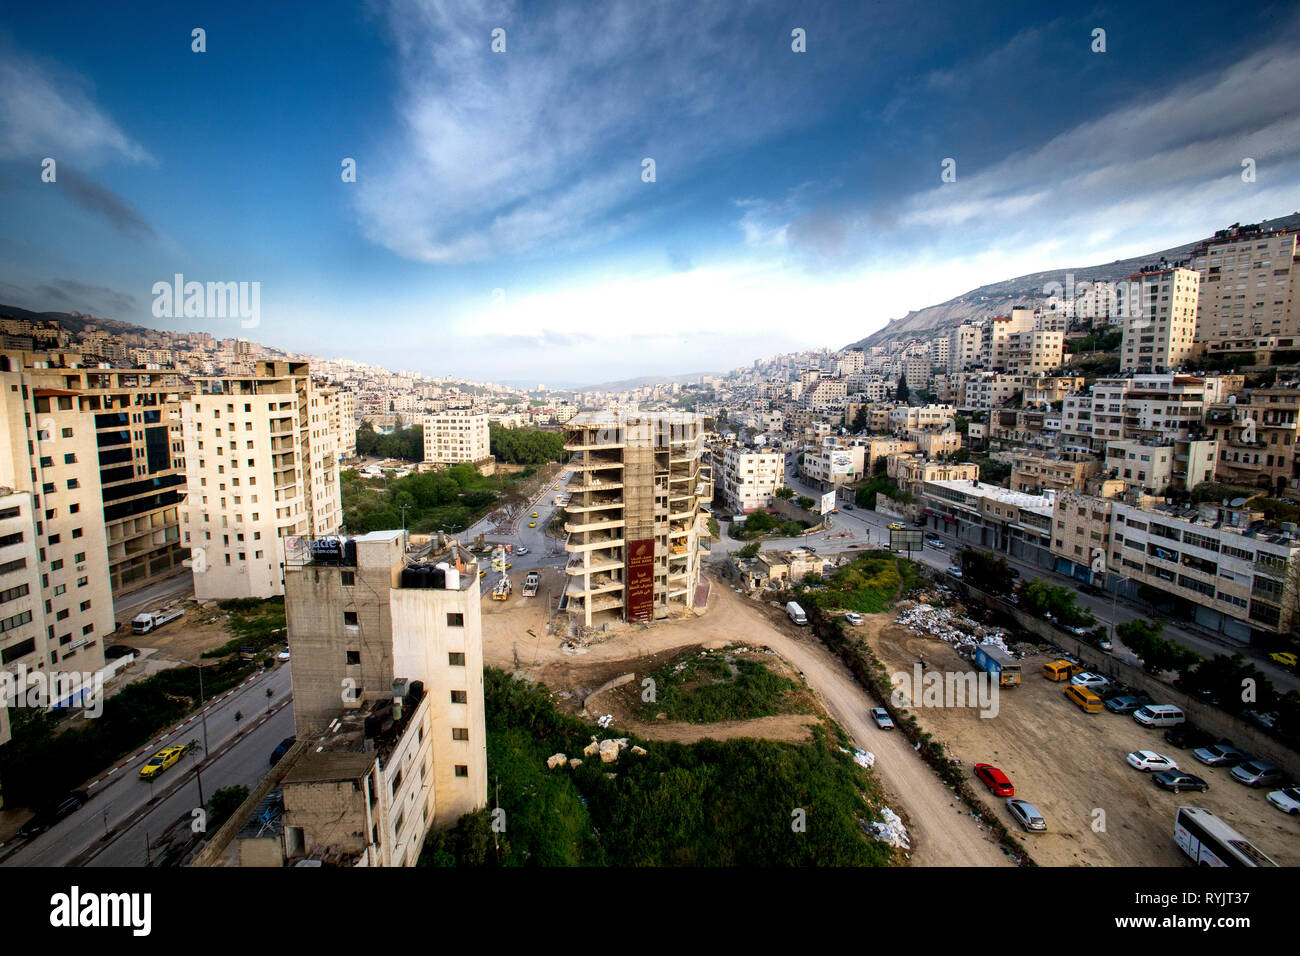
x=1236, y=502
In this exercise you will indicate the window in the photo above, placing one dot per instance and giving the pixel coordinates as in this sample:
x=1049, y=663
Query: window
x=348, y=579
x=462, y=770
x=455, y=620
x=352, y=657
x=460, y=733
x=350, y=618
x=459, y=697
x=456, y=659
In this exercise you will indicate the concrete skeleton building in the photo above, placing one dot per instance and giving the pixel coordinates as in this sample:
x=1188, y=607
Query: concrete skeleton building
x=634, y=515
x=261, y=465
x=456, y=435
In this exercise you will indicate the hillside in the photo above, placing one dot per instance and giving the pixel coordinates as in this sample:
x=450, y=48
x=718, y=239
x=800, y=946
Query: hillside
x=999, y=297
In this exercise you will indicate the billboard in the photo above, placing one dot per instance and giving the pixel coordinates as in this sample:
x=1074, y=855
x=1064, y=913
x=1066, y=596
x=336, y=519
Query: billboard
x=905, y=539
x=641, y=580
x=828, y=502
x=841, y=463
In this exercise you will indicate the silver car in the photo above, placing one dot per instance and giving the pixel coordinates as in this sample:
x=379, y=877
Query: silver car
x=882, y=718
x=1026, y=814
x=1257, y=773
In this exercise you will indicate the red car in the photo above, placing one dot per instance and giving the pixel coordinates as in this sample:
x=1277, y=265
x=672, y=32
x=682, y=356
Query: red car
x=995, y=780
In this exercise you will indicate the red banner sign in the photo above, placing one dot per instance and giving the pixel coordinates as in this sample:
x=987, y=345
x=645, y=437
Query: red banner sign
x=641, y=580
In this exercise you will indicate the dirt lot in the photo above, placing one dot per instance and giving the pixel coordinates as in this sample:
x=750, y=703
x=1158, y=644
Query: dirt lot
x=1070, y=765
x=515, y=639
x=201, y=629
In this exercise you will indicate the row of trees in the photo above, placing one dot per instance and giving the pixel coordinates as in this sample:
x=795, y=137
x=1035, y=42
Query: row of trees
x=526, y=446
x=404, y=443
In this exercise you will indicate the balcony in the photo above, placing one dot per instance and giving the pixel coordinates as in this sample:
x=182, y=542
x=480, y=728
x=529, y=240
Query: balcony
x=576, y=566
x=593, y=464
x=604, y=585
x=594, y=542
x=602, y=446
x=600, y=504
x=596, y=525
x=595, y=485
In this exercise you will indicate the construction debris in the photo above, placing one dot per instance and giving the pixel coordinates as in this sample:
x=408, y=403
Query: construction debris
x=951, y=627
x=891, y=831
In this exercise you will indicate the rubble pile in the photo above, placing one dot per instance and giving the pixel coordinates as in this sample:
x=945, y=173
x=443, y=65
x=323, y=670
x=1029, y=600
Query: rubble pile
x=950, y=627
x=891, y=831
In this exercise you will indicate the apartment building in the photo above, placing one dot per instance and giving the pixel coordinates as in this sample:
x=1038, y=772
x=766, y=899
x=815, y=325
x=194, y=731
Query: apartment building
x=990, y=518
x=910, y=470
x=1033, y=474
x=916, y=371
x=1155, y=467
x=456, y=435
x=747, y=478
x=965, y=344
x=984, y=391
x=136, y=440
x=1230, y=570
x=56, y=605
x=261, y=466
x=835, y=461
x=904, y=418
x=1257, y=435
x=634, y=518
x=932, y=444
x=343, y=416
x=1081, y=535
x=1160, y=334
x=364, y=614
x=1247, y=294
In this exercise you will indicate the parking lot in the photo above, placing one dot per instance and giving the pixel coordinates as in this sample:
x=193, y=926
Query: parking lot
x=1071, y=765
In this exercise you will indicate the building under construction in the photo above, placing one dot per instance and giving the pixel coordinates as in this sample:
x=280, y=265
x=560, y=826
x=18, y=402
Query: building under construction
x=633, y=520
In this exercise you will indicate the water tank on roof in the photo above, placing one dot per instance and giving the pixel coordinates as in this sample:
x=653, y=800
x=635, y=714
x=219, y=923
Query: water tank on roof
x=410, y=577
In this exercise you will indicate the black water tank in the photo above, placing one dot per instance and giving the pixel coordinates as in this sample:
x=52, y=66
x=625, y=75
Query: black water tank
x=350, y=553
x=410, y=577
x=437, y=578
x=415, y=691
x=373, y=725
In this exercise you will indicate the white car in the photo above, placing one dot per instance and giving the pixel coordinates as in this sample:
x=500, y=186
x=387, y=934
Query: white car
x=1089, y=680
x=1287, y=800
x=1148, y=761
x=853, y=617
x=283, y=655
x=934, y=543
x=955, y=571
x=521, y=550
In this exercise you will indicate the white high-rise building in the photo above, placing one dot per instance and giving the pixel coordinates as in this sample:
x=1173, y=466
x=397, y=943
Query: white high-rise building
x=456, y=435
x=261, y=466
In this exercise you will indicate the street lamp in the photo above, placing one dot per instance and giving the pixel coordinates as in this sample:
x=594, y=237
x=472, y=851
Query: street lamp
x=203, y=715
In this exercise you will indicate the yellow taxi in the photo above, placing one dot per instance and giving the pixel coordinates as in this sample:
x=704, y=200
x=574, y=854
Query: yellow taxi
x=161, y=761
x=895, y=526
x=1285, y=658
x=532, y=524
x=534, y=514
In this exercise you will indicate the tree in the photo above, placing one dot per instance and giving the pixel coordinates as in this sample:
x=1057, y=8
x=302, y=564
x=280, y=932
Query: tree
x=804, y=502
x=859, y=420
x=226, y=801
x=903, y=392
x=784, y=493
x=750, y=550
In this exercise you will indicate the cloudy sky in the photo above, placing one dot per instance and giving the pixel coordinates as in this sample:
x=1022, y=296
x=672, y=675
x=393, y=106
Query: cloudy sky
x=501, y=225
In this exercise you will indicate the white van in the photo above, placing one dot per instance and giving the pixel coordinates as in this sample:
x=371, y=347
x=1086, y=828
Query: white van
x=1159, y=715
x=796, y=613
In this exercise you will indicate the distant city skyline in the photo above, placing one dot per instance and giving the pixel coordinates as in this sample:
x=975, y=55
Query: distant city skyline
x=500, y=227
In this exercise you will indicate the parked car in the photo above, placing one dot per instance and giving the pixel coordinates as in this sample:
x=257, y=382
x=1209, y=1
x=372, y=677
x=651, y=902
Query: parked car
x=1026, y=814
x=1285, y=658
x=1106, y=645
x=47, y=817
x=1267, y=721
x=853, y=617
x=1258, y=773
x=934, y=543
x=882, y=718
x=1092, y=589
x=995, y=780
x=1094, y=682
x=1178, y=781
x=1220, y=755
x=1286, y=800
x=1148, y=761
x=1185, y=735
x=283, y=655
x=955, y=571
x=1125, y=705
x=895, y=526
x=1159, y=715
x=281, y=749
x=521, y=550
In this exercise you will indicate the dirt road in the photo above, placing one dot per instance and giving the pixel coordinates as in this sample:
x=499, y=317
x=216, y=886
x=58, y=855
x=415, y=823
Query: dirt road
x=942, y=831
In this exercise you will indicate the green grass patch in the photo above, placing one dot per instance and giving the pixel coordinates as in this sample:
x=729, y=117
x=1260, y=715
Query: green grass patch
x=871, y=583
x=712, y=803
x=707, y=687
x=256, y=623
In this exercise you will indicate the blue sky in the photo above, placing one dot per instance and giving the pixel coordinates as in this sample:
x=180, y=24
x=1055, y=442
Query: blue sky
x=500, y=227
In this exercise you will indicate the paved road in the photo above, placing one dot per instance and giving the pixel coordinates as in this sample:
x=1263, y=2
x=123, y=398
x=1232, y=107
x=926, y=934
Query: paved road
x=153, y=596
x=543, y=551
x=122, y=800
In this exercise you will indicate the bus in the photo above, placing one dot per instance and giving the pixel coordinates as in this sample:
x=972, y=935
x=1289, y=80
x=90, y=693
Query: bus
x=1211, y=842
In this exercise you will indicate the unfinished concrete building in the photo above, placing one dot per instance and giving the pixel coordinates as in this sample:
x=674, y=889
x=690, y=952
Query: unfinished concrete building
x=633, y=519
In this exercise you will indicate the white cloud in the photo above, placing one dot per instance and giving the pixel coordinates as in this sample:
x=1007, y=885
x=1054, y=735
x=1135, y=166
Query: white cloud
x=47, y=113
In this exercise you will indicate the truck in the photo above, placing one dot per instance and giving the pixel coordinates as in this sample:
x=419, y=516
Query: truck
x=796, y=613
x=502, y=589
x=530, y=584
x=152, y=620
x=996, y=662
